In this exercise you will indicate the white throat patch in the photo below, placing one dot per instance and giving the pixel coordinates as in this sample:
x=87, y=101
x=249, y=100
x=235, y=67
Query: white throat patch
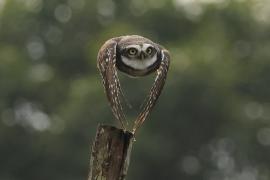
x=138, y=63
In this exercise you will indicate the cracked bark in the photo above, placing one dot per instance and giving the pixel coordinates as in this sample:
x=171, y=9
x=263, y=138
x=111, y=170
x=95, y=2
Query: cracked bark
x=110, y=153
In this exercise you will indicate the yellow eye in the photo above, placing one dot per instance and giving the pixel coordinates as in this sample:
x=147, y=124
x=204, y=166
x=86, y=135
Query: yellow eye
x=132, y=51
x=149, y=50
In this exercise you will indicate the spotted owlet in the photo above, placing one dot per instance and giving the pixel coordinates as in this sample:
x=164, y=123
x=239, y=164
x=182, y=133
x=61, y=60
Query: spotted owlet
x=136, y=56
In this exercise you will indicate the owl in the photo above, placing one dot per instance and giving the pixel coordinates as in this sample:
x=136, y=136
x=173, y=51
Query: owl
x=135, y=56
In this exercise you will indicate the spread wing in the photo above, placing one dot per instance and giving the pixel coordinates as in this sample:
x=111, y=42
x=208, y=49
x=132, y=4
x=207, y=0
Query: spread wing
x=106, y=63
x=156, y=89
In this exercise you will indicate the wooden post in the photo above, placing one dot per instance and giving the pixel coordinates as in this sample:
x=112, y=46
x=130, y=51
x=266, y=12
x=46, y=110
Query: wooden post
x=110, y=154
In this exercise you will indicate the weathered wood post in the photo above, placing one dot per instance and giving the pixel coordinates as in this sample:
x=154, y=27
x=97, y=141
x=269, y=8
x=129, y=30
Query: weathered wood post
x=110, y=153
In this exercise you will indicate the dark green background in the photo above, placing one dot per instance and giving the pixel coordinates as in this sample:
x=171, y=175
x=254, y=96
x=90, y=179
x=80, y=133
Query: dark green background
x=212, y=121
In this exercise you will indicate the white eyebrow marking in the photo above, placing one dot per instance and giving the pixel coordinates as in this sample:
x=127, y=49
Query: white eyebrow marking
x=138, y=47
x=145, y=46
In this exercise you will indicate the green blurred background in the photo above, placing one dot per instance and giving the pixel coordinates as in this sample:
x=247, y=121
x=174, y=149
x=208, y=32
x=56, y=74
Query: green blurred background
x=212, y=121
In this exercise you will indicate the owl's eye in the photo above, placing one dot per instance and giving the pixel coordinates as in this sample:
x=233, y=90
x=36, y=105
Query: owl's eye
x=132, y=51
x=149, y=50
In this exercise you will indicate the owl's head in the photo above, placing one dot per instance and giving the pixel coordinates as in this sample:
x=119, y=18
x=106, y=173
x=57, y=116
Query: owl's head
x=137, y=52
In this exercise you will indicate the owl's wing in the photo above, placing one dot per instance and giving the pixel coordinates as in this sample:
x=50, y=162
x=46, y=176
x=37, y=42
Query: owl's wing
x=106, y=63
x=155, y=90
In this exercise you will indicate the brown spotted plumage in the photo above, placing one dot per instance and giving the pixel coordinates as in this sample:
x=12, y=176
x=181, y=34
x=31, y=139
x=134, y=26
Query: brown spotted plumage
x=136, y=56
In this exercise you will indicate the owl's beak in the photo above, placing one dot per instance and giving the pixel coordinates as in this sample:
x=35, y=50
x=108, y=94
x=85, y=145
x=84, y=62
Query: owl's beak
x=143, y=55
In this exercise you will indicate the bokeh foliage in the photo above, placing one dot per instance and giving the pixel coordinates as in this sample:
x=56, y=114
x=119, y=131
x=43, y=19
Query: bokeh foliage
x=212, y=121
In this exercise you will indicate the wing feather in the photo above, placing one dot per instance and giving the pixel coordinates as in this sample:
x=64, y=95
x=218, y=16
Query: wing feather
x=107, y=67
x=155, y=90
